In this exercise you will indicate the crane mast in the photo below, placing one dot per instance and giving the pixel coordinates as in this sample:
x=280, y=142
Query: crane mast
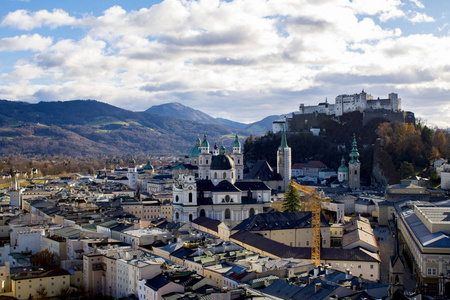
x=315, y=221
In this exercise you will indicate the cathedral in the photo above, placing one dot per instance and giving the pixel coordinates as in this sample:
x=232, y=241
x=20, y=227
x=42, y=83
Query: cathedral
x=211, y=183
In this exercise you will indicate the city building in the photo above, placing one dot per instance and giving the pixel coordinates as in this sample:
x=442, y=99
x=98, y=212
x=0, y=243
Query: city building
x=219, y=192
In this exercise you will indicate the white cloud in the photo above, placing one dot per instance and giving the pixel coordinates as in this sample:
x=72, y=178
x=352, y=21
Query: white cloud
x=421, y=18
x=418, y=3
x=260, y=56
x=33, y=42
x=386, y=9
x=24, y=20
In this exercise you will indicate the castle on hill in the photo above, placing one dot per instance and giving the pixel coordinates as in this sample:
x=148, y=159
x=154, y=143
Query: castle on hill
x=356, y=102
x=310, y=118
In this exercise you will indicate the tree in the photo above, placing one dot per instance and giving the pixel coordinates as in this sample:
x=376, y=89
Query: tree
x=45, y=259
x=406, y=170
x=291, y=199
x=41, y=293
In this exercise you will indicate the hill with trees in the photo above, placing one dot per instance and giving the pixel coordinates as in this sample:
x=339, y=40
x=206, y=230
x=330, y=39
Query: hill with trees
x=90, y=128
x=388, y=151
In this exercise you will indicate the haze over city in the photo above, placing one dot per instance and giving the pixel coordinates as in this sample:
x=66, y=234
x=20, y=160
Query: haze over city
x=241, y=60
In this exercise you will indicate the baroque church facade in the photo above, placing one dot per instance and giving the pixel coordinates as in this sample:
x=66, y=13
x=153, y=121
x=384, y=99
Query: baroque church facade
x=211, y=184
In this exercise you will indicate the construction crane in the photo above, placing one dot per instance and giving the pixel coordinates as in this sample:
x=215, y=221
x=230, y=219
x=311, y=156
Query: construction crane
x=315, y=220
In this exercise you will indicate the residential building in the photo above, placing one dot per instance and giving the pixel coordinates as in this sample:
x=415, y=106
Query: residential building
x=27, y=284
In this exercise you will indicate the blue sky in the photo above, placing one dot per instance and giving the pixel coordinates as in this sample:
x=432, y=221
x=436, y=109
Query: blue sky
x=240, y=59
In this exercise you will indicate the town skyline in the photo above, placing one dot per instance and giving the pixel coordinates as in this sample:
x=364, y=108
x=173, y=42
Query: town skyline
x=236, y=59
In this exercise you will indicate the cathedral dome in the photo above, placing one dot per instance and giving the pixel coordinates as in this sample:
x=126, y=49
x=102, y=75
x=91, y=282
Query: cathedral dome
x=148, y=168
x=194, y=152
x=222, y=162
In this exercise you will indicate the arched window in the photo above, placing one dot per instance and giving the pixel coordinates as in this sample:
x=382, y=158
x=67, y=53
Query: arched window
x=177, y=198
x=206, y=161
x=190, y=217
x=252, y=212
x=239, y=176
x=239, y=161
x=177, y=215
x=190, y=197
x=215, y=175
x=227, y=214
x=202, y=213
x=356, y=172
x=224, y=175
x=232, y=175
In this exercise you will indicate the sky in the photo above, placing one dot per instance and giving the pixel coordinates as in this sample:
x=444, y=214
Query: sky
x=239, y=59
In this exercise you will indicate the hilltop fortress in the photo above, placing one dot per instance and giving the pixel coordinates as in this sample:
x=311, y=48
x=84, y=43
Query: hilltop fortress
x=311, y=116
x=357, y=102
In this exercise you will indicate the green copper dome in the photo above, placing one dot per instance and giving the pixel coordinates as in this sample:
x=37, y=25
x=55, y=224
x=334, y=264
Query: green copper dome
x=196, y=149
x=194, y=152
x=148, y=167
x=222, y=162
x=222, y=150
x=343, y=168
x=205, y=142
x=236, y=142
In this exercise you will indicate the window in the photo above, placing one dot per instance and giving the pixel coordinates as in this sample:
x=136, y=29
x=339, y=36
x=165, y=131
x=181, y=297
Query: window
x=190, y=197
x=359, y=266
x=227, y=214
x=371, y=266
x=431, y=271
x=177, y=198
x=224, y=175
x=299, y=244
x=307, y=243
x=215, y=175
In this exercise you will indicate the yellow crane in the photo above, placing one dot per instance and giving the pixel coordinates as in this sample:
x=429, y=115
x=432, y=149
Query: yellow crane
x=315, y=220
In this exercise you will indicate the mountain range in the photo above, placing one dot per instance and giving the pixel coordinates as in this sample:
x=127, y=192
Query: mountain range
x=89, y=127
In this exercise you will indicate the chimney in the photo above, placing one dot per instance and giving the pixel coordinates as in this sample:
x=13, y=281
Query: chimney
x=348, y=274
x=317, y=287
x=316, y=272
x=327, y=270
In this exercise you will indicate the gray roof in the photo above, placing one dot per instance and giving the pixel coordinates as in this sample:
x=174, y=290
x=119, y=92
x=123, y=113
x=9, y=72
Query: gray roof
x=207, y=223
x=278, y=220
x=284, y=251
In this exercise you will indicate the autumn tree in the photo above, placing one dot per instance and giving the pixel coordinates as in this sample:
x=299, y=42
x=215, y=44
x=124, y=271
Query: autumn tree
x=45, y=259
x=291, y=199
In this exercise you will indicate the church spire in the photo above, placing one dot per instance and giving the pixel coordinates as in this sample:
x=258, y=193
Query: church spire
x=354, y=155
x=283, y=139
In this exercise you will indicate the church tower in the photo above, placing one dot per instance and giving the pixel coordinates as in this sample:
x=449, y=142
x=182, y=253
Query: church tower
x=342, y=171
x=15, y=194
x=132, y=175
x=284, y=161
x=238, y=158
x=204, y=159
x=354, y=167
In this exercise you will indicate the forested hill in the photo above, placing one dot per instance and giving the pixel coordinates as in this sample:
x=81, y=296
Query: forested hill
x=88, y=127
x=396, y=150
